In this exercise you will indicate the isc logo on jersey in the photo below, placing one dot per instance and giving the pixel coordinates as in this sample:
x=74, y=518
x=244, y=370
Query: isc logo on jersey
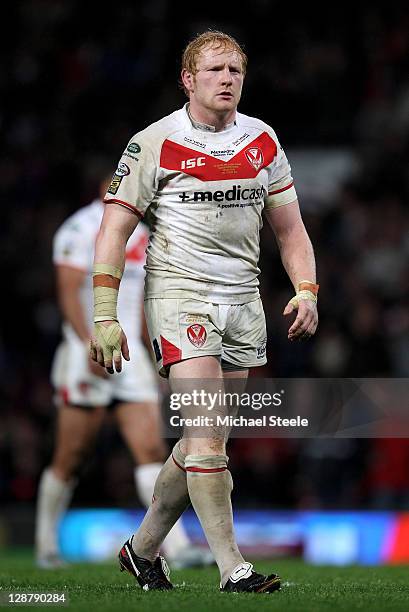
x=193, y=162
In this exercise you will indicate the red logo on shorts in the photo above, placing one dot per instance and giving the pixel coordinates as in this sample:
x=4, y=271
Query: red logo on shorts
x=197, y=334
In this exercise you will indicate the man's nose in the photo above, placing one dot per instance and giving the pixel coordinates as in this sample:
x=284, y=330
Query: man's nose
x=226, y=76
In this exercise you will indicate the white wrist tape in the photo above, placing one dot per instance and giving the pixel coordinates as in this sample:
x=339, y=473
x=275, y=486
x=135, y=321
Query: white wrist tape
x=108, y=338
x=105, y=304
x=304, y=294
x=106, y=285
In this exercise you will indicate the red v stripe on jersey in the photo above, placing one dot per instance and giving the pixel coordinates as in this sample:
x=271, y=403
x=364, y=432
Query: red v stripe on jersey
x=245, y=164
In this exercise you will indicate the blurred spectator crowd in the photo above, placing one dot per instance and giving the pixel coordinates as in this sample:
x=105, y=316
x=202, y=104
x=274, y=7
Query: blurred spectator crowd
x=78, y=80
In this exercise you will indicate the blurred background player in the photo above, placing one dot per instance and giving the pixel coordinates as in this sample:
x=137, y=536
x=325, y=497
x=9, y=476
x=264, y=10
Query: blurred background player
x=83, y=389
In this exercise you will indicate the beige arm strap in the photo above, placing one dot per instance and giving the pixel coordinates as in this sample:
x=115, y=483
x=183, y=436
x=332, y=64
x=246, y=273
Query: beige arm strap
x=106, y=280
x=307, y=290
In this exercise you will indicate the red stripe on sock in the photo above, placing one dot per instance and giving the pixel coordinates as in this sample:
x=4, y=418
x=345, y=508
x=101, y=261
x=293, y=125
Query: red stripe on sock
x=206, y=471
x=179, y=466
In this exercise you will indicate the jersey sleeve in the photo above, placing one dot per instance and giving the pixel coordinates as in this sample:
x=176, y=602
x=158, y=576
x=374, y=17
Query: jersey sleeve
x=72, y=247
x=135, y=182
x=281, y=188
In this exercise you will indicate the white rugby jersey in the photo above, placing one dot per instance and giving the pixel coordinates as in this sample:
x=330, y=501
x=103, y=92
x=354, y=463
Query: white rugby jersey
x=205, y=191
x=73, y=246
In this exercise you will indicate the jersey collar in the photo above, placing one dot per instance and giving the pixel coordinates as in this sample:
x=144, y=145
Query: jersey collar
x=203, y=127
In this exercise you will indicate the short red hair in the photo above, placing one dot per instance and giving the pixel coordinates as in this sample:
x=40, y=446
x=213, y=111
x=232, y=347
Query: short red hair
x=210, y=38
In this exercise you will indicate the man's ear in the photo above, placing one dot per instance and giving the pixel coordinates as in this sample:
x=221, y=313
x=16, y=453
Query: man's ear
x=187, y=79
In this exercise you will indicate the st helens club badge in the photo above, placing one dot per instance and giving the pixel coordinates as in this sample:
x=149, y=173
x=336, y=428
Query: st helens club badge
x=197, y=334
x=255, y=157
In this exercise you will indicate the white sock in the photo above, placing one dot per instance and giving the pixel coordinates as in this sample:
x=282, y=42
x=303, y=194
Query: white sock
x=210, y=486
x=145, y=477
x=54, y=496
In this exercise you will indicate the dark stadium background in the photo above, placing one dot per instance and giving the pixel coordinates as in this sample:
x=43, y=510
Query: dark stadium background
x=77, y=79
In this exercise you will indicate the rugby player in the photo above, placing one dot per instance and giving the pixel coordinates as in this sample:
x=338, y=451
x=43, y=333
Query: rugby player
x=84, y=391
x=204, y=174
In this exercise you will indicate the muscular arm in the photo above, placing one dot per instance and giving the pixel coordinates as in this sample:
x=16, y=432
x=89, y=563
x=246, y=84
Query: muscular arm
x=298, y=260
x=109, y=341
x=117, y=225
x=295, y=246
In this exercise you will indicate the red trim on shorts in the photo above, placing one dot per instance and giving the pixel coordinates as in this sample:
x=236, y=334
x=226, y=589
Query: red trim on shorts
x=170, y=352
x=179, y=466
x=137, y=212
x=206, y=471
x=280, y=190
x=64, y=394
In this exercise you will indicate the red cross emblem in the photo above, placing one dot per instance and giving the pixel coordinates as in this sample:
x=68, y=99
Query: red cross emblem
x=255, y=157
x=197, y=334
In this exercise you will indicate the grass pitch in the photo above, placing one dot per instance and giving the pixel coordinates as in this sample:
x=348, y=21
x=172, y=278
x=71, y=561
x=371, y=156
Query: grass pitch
x=102, y=588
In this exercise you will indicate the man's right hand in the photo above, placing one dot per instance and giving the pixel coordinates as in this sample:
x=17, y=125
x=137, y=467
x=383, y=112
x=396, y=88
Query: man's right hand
x=108, y=344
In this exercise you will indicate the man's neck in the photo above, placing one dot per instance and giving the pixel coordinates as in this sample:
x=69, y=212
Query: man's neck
x=211, y=121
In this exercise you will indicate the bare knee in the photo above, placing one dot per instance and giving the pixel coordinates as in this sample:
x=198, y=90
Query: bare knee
x=204, y=446
x=151, y=452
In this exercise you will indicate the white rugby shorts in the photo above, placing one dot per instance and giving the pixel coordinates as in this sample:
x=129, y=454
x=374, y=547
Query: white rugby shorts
x=74, y=384
x=181, y=329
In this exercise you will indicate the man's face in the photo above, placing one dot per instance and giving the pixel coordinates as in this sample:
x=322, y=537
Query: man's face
x=218, y=82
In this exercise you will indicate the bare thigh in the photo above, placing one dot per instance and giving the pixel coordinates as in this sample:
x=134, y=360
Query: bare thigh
x=199, y=373
x=139, y=424
x=76, y=432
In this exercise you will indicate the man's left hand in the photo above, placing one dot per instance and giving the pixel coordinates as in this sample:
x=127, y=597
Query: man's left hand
x=306, y=322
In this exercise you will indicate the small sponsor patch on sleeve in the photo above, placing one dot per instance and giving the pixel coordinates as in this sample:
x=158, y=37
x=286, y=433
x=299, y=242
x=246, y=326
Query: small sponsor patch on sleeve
x=133, y=147
x=120, y=172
